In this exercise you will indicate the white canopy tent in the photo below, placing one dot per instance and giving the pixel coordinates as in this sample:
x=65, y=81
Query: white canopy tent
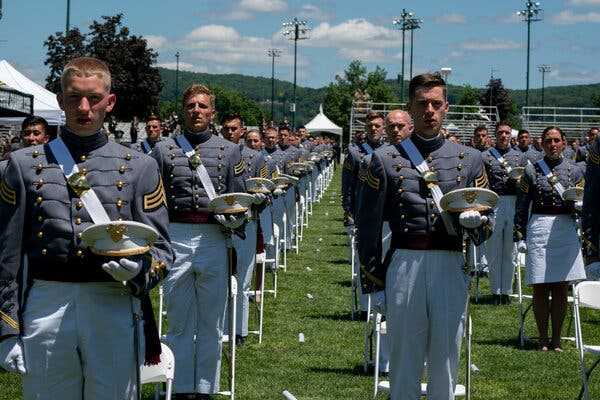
x=44, y=101
x=321, y=123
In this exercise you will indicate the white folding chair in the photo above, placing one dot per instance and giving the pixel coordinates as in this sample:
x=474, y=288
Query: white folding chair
x=296, y=227
x=585, y=294
x=230, y=338
x=258, y=294
x=163, y=372
x=283, y=243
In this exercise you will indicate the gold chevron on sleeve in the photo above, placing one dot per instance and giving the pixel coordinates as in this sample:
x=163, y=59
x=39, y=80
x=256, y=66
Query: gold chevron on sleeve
x=482, y=180
x=9, y=321
x=238, y=168
x=7, y=194
x=156, y=198
x=593, y=157
x=347, y=164
x=263, y=172
x=372, y=181
x=524, y=186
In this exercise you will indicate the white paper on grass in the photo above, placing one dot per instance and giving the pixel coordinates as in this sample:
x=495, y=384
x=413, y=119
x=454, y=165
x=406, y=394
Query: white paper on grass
x=301, y=337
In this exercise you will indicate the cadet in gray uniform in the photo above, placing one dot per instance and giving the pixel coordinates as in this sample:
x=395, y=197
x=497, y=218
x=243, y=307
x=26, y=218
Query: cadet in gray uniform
x=582, y=151
x=196, y=290
x=291, y=194
x=66, y=317
x=245, y=248
x=549, y=234
x=425, y=285
x=525, y=147
x=480, y=138
x=590, y=221
x=500, y=249
x=153, y=135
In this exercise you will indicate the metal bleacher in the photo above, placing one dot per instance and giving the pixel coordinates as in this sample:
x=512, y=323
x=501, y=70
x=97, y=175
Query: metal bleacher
x=574, y=122
x=460, y=120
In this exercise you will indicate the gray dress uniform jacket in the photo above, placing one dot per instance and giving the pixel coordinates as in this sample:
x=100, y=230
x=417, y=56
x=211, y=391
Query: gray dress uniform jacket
x=590, y=221
x=185, y=192
x=42, y=218
x=500, y=182
x=256, y=167
x=394, y=191
x=277, y=159
x=535, y=190
x=530, y=153
x=350, y=174
x=3, y=165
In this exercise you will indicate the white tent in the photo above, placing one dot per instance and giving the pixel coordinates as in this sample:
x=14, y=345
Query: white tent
x=44, y=101
x=321, y=123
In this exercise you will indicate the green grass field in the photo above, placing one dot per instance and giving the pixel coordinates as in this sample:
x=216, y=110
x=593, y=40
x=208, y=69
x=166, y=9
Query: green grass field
x=328, y=365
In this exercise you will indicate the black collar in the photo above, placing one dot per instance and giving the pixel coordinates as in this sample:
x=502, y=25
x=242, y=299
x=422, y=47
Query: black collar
x=82, y=145
x=196, y=138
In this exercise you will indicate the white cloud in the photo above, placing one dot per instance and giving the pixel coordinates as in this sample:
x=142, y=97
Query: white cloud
x=585, y=2
x=155, y=41
x=568, y=17
x=235, y=15
x=490, y=45
x=183, y=66
x=213, y=33
x=575, y=74
x=354, y=33
x=451, y=19
x=313, y=12
x=513, y=18
x=263, y=5
x=367, y=55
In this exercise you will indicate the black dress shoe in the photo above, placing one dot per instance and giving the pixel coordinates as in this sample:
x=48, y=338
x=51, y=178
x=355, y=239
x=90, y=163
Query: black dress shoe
x=496, y=299
x=505, y=299
x=202, y=396
x=240, y=340
x=184, y=396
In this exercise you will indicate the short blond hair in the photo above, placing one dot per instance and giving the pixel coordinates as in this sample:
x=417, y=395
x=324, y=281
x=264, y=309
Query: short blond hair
x=86, y=67
x=196, y=89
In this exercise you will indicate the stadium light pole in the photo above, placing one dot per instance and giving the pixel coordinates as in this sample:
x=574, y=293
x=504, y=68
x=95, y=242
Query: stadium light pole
x=401, y=23
x=413, y=23
x=445, y=72
x=295, y=30
x=531, y=13
x=177, y=81
x=273, y=53
x=543, y=69
x=68, y=23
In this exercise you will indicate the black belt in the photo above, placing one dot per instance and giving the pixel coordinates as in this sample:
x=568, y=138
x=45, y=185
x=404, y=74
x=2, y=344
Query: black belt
x=551, y=210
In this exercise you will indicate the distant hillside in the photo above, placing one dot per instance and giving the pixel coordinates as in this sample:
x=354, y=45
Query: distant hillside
x=255, y=88
x=259, y=90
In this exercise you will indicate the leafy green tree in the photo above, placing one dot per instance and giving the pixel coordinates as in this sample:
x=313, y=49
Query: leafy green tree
x=339, y=94
x=135, y=81
x=469, y=96
x=497, y=95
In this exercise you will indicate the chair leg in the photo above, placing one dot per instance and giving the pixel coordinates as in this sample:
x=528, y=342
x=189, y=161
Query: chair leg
x=377, y=351
x=169, y=389
x=262, y=302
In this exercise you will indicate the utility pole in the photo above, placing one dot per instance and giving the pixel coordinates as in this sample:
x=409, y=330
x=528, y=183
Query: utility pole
x=543, y=69
x=273, y=53
x=177, y=82
x=531, y=13
x=414, y=23
x=295, y=30
x=68, y=23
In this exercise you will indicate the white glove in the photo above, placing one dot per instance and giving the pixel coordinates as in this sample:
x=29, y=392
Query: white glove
x=592, y=271
x=231, y=221
x=521, y=246
x=123, y=270
x=579, y=205
x=471, y=219
x=259, y=198
x=11, y=353
x=278, y=192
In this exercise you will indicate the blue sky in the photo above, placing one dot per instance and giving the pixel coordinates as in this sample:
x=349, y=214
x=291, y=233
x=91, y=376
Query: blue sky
x=232, y=36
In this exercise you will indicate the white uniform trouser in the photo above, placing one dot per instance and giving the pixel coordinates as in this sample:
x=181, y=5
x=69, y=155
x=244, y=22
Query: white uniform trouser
x=501, y=251
x=266, y=226
x=290, y=212
x=246, y=259
x=278, y=211
x=79, y=341
x=196, y=294
x=426, y=293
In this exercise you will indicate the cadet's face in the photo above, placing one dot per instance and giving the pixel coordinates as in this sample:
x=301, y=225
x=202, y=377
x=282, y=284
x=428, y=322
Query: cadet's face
x=592, y=135
x=524, y=140
x=284, y=137
x=253, y=141
x=503, y=133
x=398, y=126
x=232, y=130
x=153, y=129
x=303, y=133
x=33, y=135
x=85, y=101
x=270, y=139
x=480, y=138
x=375, y=128
x=428, y=109
x=198, y=112
x=553, y=144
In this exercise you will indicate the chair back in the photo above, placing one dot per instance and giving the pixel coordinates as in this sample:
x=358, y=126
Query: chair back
x=162, y=371
x=588, y=294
